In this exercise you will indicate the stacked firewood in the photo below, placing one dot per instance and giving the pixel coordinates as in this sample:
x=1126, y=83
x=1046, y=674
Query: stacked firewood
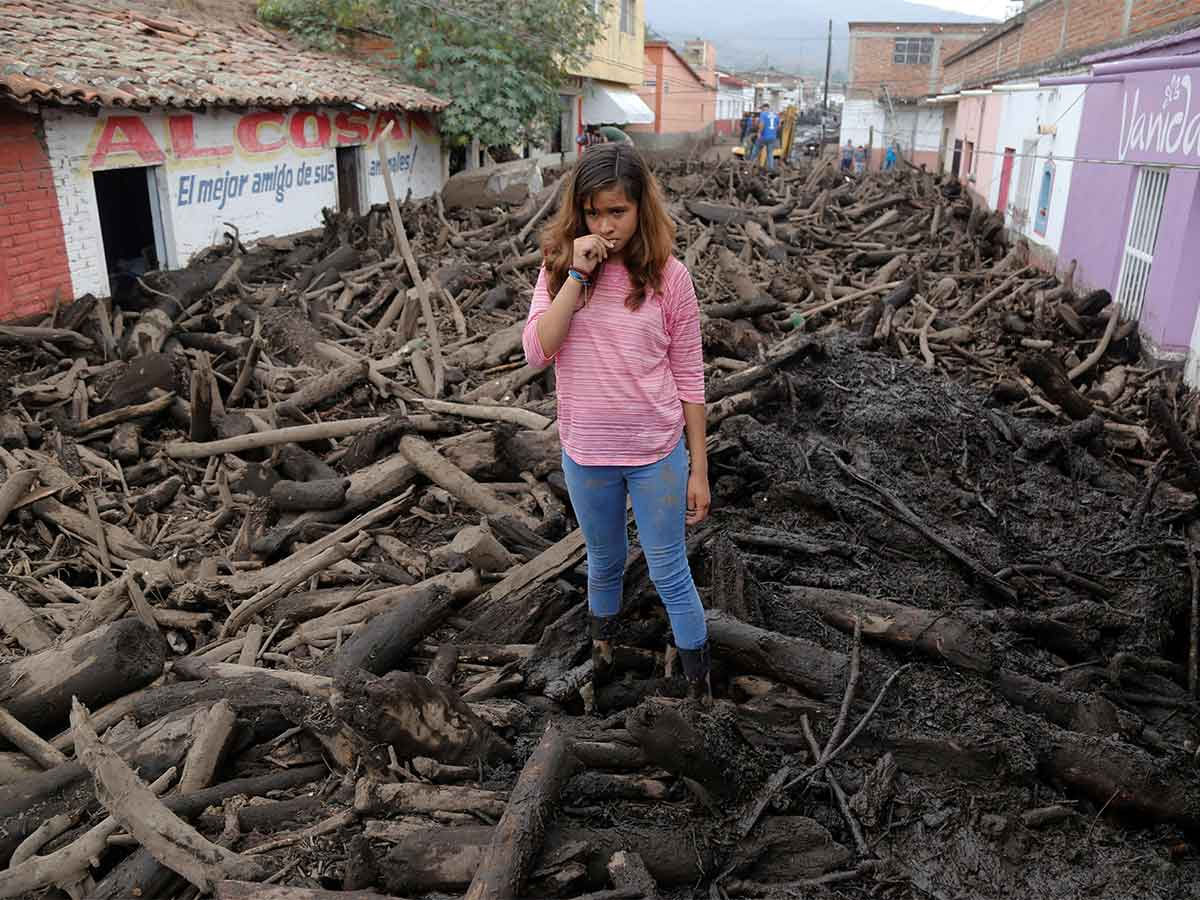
x=294, y=600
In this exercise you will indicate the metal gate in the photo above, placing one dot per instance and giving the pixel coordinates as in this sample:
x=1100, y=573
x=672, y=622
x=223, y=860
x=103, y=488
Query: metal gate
x=1139, y=244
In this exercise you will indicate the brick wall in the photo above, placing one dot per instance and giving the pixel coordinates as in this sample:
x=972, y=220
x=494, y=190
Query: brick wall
x=33, y=255
x=872, y=62
x=1063, y=30
x=1149, y=14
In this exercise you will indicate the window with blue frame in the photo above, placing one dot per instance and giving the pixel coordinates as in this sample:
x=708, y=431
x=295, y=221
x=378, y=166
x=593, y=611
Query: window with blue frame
x=1043, y=203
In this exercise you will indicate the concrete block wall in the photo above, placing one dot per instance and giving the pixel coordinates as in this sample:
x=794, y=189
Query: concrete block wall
x=33, y=258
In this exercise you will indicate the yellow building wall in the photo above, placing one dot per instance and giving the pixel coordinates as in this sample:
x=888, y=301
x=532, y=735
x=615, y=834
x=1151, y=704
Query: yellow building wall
x=619, y=55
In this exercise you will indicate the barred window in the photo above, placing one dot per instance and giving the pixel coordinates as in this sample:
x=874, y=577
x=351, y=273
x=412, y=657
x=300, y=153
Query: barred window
x=913, y=51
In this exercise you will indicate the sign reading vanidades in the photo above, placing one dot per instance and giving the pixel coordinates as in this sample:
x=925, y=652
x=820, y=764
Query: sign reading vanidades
x=1171, y=129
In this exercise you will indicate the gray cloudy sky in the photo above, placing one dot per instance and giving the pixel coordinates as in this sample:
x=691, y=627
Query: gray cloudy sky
x=996, y=9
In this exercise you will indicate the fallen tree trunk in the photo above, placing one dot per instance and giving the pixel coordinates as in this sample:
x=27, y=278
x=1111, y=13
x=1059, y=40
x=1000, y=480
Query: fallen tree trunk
x=99, y=666
x=739, y=279
x=782, y=848
x=21, y=622
x=298, y=496
x=795, y=661
x=386, y=639
x=446, y=475
x=669, y=740
x=416, y=716
x=1178, y=442
x=517, y=839
x=458, y=585
x=320, y=388
x=67, y=867
x=1048, y=374
x=371, y=797
x=1123, y=780
x=930, y=632
x=1075, y=711
x=25, y=805
x=171, y=841
x=248, y=890
x=501, y=614
x=255, y=699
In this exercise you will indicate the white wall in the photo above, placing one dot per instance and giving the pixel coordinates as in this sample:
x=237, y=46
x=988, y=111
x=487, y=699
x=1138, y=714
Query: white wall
x=858, y=118
x=1020, y=117
x=916, y=129
x=265, y=171
x=730, y=103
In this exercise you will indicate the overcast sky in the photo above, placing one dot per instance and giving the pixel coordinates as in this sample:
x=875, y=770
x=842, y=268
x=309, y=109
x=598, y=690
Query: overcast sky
x=996, y=9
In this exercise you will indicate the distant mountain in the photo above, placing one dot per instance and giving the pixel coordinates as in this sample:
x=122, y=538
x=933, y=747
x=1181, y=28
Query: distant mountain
x=779, y=33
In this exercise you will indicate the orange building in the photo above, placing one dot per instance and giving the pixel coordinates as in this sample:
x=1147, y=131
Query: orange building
x=683, y=100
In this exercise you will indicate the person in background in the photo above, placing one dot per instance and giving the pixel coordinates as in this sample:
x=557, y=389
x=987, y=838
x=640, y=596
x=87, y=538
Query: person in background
x=747, y=129
x=590, y=137
x=848, y=157
x=768, y=135
x=613, y=135
x=889, y=159
x=860, y=159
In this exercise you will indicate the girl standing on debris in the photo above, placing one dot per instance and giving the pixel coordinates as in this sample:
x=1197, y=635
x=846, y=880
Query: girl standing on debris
x=618, y=315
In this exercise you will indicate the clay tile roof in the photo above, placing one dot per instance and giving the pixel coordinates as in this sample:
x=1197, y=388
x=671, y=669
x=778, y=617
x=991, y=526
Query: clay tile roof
x=69, y=52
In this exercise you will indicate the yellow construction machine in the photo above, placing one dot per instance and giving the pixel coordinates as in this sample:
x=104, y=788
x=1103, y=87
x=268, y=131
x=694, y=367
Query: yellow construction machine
x=787, y=130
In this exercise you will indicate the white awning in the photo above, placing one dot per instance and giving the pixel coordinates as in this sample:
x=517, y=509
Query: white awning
x=615, y=106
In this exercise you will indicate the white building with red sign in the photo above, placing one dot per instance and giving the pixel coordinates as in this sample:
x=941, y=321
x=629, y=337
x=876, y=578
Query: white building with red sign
x=146, y=153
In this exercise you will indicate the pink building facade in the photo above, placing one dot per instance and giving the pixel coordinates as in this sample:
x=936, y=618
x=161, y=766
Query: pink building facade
x=973, y=140
x=684, y=102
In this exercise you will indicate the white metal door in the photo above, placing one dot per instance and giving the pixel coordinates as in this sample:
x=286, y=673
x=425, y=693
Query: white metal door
x=1148, y=197
x=1020, y=202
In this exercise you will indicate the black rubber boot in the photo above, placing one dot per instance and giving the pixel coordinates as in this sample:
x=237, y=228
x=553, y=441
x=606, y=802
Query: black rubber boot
x=604, y=631
x=696, y=664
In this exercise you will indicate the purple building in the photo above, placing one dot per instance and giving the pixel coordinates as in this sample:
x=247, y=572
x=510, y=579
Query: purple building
x=1133, y=218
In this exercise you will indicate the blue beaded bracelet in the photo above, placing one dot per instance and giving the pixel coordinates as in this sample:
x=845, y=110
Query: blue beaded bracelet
x=579, y=276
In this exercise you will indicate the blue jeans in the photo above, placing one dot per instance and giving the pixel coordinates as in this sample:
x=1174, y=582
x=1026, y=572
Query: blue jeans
x=659, y=493
x=770, y=144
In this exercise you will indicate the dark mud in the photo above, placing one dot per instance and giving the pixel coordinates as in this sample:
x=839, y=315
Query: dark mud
x=955, y=461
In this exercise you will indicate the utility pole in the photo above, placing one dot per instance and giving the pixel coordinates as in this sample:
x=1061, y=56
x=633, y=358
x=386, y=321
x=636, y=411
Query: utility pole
x=828, y=58
x=825, y=99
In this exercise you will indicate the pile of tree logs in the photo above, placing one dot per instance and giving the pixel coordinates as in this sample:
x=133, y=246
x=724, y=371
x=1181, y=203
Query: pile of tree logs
x=294, y=600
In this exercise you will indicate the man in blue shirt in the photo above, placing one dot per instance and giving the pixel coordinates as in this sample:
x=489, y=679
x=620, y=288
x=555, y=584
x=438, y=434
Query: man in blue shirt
x=768, y=135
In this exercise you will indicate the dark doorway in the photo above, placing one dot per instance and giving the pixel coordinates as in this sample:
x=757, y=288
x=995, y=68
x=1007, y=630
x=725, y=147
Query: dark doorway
x=349, y=197
x=127, y=225
x=956, y=163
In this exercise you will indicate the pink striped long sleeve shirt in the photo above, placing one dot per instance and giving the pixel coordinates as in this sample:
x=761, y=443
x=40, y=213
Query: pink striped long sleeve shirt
x=622, y=375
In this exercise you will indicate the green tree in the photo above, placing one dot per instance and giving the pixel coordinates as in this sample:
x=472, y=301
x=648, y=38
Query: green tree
x=500, y=63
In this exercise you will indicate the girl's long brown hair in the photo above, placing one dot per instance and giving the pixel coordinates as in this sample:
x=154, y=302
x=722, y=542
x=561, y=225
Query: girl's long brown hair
x=646, y=255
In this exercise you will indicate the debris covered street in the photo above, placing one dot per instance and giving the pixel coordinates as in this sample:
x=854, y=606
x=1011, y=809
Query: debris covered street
x=951, y=592
x=297, y=387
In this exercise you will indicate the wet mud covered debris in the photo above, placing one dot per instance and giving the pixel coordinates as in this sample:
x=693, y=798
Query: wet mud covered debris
x=363, y=643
